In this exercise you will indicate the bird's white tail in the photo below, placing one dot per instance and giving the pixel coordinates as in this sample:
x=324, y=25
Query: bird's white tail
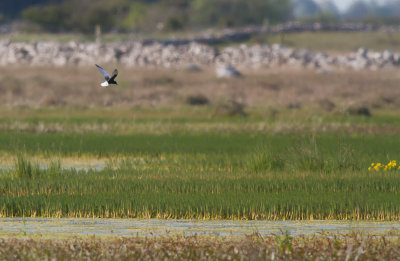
x=104, y=84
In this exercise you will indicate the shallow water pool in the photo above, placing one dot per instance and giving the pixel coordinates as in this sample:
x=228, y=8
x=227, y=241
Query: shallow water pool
x=144, y=227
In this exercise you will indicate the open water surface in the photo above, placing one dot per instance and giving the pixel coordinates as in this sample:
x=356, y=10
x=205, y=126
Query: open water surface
x=145, y=227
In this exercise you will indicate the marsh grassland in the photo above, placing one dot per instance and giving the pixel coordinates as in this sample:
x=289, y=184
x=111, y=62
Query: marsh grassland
x=204, y=176
x=276, y=144
x=280, y=144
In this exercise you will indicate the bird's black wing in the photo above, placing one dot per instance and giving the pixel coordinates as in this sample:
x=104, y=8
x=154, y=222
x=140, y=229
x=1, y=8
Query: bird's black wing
x=114, y=75
x=104, y=73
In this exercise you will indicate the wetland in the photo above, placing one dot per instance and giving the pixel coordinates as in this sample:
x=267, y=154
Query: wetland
x=274, y=176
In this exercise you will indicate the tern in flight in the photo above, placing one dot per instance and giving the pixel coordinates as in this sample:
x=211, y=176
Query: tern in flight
x=109, y=79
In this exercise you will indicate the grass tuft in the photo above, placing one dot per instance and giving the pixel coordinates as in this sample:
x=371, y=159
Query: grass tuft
x=264, y=160
x=24, y=168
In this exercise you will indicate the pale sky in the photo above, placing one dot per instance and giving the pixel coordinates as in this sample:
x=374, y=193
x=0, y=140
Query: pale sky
x=343, y=4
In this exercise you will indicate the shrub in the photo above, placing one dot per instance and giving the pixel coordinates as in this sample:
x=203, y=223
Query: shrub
x=198, y=100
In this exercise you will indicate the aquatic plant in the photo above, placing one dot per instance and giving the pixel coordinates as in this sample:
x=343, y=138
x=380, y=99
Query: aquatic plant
x=209, y=174
x=199, y=186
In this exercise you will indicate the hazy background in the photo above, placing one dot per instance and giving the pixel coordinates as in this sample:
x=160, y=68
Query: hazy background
x=185, y=15
x=344, y=4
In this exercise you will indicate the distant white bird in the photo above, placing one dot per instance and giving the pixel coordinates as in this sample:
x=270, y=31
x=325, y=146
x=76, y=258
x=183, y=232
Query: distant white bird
x=109, y=79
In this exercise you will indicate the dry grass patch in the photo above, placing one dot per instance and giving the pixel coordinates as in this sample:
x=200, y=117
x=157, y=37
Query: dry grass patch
x=252, y=247
x=278, y=88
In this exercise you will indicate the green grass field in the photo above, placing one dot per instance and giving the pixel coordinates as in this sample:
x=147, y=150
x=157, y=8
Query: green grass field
x=298, y=147
x=223, y=170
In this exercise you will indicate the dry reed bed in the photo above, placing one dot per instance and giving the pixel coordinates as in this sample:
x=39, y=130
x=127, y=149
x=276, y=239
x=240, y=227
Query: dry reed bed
x=273, y=88
x=253, y=247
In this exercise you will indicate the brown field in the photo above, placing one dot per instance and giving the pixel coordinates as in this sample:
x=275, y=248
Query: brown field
x=252, y=247
x=35, y=87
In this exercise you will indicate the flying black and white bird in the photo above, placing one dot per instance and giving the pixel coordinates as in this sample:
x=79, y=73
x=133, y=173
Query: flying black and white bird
x=109, y=79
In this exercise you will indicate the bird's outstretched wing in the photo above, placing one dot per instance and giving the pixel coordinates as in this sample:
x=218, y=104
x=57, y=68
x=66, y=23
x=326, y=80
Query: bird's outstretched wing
x=104, y=73
x=115, y=73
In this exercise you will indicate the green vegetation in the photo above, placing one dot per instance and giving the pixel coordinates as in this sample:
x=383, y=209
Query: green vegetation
x=171, y=15
x=234, y=174
x=74, y=15
x=176, y=15
x=300, y=151
x=237, y=12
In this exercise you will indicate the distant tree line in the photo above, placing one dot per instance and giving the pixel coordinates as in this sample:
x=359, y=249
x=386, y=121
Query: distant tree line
x=170, y=15
x=142, y=15
x=13, y=8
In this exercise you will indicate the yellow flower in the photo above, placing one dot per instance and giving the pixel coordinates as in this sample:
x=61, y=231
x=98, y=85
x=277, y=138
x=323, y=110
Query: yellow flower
x=390, y=166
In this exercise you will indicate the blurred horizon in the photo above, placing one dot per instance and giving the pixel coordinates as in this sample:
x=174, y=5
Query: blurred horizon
x=344, y=4
x=83, y=16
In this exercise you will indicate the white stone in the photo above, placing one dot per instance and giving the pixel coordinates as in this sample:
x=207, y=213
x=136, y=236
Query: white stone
x=227, y=71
